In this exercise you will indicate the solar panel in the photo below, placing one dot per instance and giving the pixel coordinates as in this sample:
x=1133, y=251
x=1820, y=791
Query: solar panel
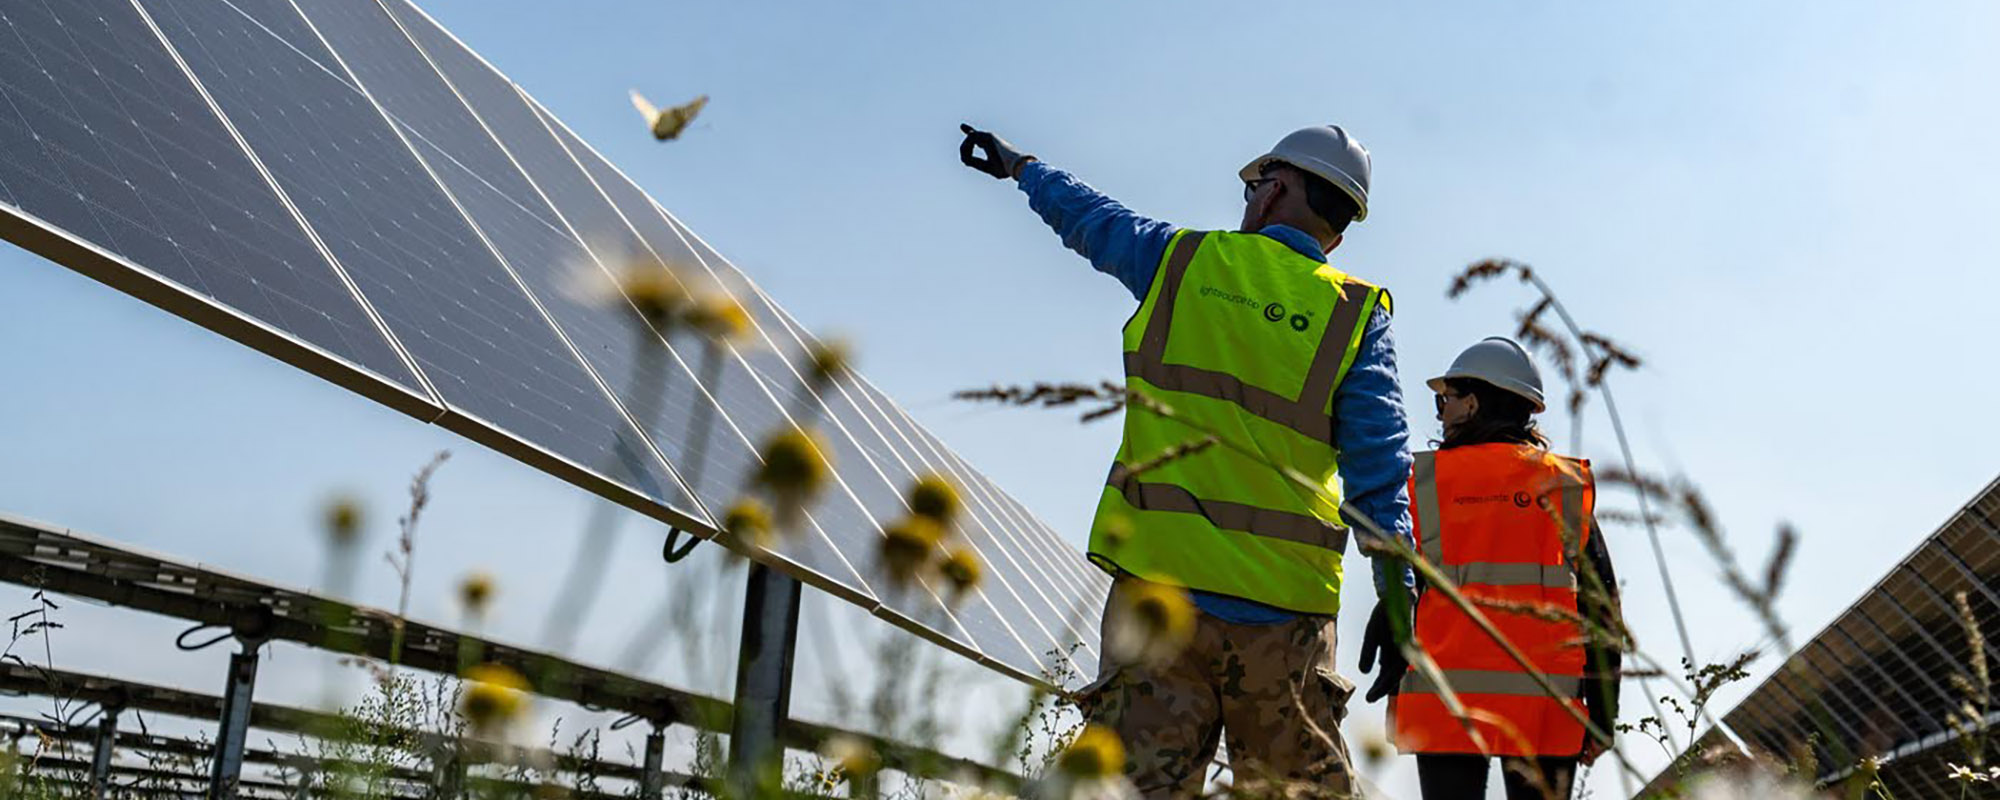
x=345, y=185
x=101, y=136
x=472, y=330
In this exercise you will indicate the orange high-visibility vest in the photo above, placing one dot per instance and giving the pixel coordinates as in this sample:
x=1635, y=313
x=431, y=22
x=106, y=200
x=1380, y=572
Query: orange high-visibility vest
x=1507, y=523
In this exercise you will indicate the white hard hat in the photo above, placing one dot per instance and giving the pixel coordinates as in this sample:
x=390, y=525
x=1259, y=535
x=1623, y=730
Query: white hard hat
x=1326, y=151
x=1500, y=361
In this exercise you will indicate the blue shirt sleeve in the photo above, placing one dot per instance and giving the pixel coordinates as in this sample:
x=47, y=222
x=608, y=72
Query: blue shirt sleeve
x=1372, y=434
x=1117, y=241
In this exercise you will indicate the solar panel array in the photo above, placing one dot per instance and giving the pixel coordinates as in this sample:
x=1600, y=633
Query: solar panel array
x=1878, y=681
x=344, y=185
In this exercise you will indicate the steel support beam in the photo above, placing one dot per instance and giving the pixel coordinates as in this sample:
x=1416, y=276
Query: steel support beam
x=763, y=681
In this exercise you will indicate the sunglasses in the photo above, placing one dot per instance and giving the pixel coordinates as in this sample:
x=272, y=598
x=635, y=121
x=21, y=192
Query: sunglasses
x=1250, y=187
x=1442, y=398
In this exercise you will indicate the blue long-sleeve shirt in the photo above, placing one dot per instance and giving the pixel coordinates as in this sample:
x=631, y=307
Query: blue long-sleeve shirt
x=1370, y=431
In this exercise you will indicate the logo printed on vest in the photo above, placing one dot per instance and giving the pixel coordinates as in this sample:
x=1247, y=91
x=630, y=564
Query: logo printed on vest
x=1228, y=296
x=1274, y=312
x=1300, y=322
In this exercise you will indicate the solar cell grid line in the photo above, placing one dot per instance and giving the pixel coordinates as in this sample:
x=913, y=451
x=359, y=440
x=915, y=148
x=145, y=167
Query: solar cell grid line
x=576, y=204
x=883, y=500
x=534, y=257
x=1880, y=703
x=1938, y=600
x=507, y=377
x=1810, y=713
x=1061, y=597
x=1019, y=585
x=776, y=367
x=978, y=633
x=1020, y=543
x=523, y=236
x=711, y=256
x=1860, y=612
x=113, y=164
x=1904, y=613
x=1067, y=583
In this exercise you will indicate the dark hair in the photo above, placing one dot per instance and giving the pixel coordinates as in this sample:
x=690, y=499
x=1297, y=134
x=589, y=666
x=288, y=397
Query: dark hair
x=1326, y=200
x=1503, y=417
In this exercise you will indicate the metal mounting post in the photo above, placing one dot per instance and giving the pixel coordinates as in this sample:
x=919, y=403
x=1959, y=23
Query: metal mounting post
x=234, y=728
x=651, y=780
x=763, y=680
x=101, y=749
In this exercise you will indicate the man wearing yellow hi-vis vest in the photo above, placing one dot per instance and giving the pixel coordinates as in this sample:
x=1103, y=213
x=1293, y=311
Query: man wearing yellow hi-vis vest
x=1254, y=335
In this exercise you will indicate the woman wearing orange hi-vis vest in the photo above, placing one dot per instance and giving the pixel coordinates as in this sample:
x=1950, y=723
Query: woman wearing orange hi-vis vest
x=1511, y=523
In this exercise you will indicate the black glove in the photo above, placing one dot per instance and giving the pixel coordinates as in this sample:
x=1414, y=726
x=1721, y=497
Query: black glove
x=1378, y=640
x=1001, y=159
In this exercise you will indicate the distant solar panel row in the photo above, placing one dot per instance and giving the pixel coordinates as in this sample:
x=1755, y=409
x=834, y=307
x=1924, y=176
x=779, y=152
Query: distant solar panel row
x=344, y=185
x=1878, y=681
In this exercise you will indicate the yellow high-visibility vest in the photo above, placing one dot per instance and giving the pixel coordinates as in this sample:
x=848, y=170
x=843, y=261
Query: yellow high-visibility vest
x=1245, y=336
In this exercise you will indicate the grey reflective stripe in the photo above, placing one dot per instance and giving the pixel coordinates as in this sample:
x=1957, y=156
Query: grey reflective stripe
x=1306, y=414
x=1573, y=520
x=1480, y=681
x=1271, y=523
x=1154, y=340
x=1429, y=518
x=1332, y=353
x=1552, y=576
x=1312, y=422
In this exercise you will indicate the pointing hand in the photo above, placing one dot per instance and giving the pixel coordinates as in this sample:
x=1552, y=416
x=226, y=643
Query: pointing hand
x=1001, y=160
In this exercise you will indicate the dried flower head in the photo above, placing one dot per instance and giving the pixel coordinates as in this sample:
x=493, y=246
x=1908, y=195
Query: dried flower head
x=962, y=569
x=475, y=590
x=908, y=545
x=1095, y=753
x=494, y=697
x=826, y=362
x=851, y=757
x=933, y=498
x=717, y=316
x=343, y=521
x=748, y=519
x=793, y=466
x=1150, y=622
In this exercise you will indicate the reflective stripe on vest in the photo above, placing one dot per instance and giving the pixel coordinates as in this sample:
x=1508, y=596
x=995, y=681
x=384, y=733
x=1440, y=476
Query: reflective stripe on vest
x=1306, y=414
x=1242, y=335
x=1507, y=524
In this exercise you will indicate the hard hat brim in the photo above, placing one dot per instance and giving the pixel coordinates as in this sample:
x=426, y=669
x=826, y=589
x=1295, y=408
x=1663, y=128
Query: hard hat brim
x=1437, y=385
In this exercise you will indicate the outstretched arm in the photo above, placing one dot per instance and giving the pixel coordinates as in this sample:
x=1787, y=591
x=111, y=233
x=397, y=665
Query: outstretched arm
x=1372, y=435
x=1117, y=241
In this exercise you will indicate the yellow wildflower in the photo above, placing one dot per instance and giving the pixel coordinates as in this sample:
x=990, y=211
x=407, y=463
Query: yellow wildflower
x=934, y=498
x=962, y=568
x=718, y=317
x=343, y=520
x=494, y=697
x=1095, y=753
x=908, y=545
x=475, y=590
x=1150, y=622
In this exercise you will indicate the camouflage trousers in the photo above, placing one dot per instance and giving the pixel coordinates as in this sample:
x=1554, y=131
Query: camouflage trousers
x=1271, y=690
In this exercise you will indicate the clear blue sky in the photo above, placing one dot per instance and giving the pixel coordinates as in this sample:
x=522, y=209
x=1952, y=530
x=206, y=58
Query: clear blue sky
x=1785, y=208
